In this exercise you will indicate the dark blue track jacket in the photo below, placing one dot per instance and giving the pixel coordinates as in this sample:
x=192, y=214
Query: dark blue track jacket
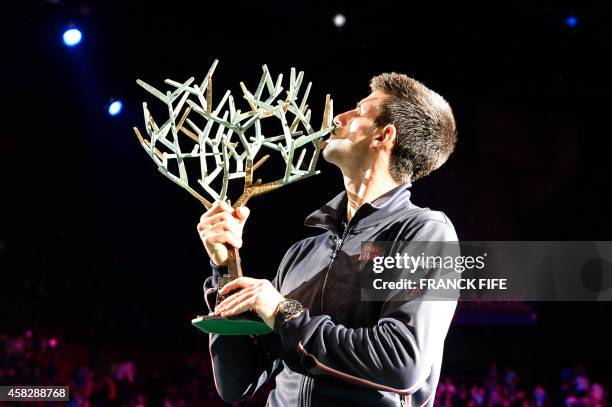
x=343, y=351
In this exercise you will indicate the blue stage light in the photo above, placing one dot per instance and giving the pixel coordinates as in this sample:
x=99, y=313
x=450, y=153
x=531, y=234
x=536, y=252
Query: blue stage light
x=72, y=37
x=115, y=108
x=571, y=21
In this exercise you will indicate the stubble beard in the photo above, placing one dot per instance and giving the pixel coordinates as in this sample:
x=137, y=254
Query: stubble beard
x=331, y=153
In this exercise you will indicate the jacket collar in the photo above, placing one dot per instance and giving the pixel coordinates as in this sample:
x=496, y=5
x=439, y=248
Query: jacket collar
x=331, y=215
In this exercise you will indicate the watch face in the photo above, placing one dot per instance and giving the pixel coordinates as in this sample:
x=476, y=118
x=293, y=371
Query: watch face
x=291, y=308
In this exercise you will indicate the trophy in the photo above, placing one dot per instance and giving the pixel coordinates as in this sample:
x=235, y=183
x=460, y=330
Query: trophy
x=220, y=143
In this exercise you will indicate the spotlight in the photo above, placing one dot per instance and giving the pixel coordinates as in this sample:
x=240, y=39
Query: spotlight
x=339, y=20
x=115, y=108
x=571, y=21
x=72, y=37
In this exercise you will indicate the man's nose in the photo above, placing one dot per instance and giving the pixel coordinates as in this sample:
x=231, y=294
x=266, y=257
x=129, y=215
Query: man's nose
x=337, y=121
x=341, y=119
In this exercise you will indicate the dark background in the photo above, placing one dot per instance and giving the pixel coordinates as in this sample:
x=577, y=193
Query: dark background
x=97, y=247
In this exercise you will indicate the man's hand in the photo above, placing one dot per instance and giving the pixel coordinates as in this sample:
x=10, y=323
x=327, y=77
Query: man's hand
x=221, y=225
x=256, y=295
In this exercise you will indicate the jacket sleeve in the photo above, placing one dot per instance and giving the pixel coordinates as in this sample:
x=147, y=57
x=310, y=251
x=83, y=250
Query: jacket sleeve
x=396, y=354
x=241, y=364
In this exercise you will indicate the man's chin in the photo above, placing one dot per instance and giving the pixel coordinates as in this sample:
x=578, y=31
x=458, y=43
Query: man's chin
x=324, y=150
x=328, y=152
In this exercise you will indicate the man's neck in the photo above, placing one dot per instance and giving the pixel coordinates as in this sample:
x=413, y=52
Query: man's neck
x=360, y=190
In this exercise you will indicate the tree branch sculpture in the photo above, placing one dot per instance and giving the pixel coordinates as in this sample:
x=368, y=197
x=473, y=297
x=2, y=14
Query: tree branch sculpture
x=224, y=142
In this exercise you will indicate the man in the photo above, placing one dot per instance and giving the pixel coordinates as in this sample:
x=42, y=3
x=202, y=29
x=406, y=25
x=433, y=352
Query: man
x=330, y=348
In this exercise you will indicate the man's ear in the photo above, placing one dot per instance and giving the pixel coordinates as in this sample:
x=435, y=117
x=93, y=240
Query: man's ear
x=385, y=137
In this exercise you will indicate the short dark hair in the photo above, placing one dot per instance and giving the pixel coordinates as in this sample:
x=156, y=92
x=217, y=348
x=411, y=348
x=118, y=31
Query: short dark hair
x=426, y=131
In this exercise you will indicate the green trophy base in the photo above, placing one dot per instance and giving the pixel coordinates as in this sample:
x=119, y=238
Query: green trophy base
x=247, y=323
x=243, y=324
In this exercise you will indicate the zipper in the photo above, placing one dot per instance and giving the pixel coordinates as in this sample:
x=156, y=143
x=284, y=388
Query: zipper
x=305, y=388
x=308, y=393
x=338, y=245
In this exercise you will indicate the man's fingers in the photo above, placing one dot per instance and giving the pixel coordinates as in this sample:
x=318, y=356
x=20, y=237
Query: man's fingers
x=235, y=294
x=244, y=306
x=217, y=207
x=237, y=298
x=240, y=282
x=222, y=228
x=223, y=237
x=225, y=207
x=242, y=213
x=215, y=210
x=221, y=224
x=222, y=212
x=223, y=217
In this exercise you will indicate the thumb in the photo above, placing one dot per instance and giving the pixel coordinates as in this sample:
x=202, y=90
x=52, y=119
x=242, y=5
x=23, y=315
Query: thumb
x=242, y=213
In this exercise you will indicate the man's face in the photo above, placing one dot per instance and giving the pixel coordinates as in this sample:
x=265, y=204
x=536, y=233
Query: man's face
x=349, y=145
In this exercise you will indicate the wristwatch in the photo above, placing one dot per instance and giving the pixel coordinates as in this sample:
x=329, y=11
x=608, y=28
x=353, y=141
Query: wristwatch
x=287, y=310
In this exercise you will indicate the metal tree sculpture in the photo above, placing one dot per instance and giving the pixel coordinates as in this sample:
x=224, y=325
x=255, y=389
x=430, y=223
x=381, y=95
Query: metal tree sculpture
x=231, y=136
x=225, y=141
